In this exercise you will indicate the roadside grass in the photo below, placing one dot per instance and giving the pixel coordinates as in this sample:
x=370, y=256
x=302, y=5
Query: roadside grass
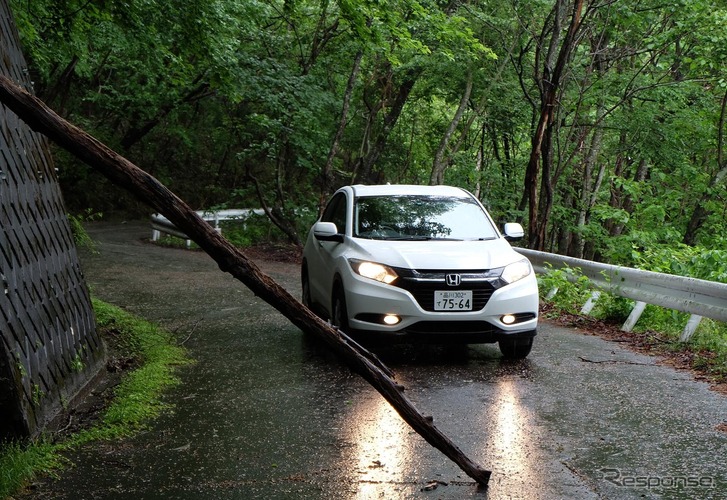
x=19, y=464
x=658, y=329
x=136, y=400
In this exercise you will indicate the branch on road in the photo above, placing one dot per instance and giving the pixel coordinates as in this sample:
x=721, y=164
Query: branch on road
x=229, y=258
x=613, y=361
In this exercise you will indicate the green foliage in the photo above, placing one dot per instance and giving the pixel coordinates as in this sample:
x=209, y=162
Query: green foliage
x=169, y=241
x=659, y=319
x=710, y=341
x=612, y=308
x=567, y=288
x=77, y=364
x=683, y=260
x=37, y=394
x=253, y=230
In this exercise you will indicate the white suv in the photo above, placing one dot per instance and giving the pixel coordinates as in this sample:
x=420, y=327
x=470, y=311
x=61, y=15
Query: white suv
x=422, y=263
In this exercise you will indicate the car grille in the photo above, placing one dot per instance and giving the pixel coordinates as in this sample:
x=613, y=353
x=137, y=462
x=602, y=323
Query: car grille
x=423, y=284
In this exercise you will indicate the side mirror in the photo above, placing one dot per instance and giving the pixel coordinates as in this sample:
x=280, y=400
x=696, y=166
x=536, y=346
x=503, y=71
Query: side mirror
x=513, y=231
x=327, y=231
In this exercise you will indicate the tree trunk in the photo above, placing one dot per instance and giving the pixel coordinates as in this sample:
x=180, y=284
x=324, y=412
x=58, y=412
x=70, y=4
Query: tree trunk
x=564, y=234
x=145, y=187
x=541, y=150
x=700, y=213
x=478, y=167
x=589, y=188
x=365, y=172
x=589, y=191
x=439, y=165
x=327, y=186
x=62, y=84
x=275, y=215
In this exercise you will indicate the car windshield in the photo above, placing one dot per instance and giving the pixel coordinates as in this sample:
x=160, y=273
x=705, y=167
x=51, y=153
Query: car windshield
x=421, y=217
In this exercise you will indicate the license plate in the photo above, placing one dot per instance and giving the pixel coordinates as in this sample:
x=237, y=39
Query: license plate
x=460, y=300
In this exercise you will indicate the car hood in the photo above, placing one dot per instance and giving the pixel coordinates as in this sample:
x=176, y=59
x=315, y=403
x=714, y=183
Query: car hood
x=436, y=254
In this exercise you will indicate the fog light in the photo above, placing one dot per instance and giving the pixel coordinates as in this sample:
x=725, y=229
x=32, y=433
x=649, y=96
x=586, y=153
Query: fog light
x=391, y=319
x=508, y=319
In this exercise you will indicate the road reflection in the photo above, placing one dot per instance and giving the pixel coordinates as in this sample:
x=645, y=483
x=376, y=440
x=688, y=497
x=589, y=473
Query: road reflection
x=381, y=450
x=508, y=423
x=508, y=436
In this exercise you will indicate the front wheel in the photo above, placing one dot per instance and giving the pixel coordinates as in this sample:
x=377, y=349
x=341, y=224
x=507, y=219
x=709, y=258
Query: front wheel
x=340, y=312
x=305, y=289
x=517, y=348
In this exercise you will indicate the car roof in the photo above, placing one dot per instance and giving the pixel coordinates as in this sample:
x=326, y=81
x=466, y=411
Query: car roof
x=406, y=189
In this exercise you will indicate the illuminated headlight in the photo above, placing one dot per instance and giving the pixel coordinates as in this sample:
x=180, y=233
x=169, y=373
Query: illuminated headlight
x=516, y=271
x=374, y=271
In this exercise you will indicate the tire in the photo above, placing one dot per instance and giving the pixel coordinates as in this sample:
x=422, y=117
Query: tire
x=305, y=288
x=339, y=312
x=516, y=348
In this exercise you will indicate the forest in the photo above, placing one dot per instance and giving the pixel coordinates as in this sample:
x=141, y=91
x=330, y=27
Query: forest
x=597, y=124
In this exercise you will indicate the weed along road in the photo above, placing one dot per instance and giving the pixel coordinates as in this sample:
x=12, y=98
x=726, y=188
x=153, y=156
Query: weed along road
x=266, y=412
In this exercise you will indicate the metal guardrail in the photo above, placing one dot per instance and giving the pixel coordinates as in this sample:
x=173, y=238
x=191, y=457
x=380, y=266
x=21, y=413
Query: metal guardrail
x=160, y=224
x=700, y=298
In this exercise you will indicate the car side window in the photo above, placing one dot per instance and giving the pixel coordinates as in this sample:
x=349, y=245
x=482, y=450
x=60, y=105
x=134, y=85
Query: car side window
x=336, y=212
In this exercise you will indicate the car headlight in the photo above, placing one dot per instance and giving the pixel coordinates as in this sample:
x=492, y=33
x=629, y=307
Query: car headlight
x=516, y=271
x=374, y=271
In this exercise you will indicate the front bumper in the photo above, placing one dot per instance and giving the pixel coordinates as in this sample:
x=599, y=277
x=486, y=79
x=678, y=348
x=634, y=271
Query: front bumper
x=369, y=301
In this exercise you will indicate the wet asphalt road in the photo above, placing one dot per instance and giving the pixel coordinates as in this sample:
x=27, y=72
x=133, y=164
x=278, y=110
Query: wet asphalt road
x=266, y=412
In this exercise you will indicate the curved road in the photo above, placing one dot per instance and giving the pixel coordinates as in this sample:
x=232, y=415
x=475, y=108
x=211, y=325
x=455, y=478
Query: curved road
x=268, y=413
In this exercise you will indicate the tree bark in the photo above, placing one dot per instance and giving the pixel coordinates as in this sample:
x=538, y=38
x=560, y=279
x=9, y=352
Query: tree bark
x=541, y=149
x=365, y=173
x=327, y=179
x=62, y=84
x=700, y=213
x=589, y=191
x=230, y=259
x=440, y=165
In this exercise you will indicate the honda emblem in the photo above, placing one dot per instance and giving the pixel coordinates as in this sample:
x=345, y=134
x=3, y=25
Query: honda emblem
x=453, y=279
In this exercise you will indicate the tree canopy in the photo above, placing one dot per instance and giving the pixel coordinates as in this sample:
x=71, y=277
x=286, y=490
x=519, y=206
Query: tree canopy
x=599, y=125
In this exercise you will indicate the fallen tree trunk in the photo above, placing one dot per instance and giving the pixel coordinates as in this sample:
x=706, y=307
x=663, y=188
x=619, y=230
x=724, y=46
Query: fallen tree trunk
x=230, y=259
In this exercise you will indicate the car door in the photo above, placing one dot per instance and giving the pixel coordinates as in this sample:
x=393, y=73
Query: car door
x=322, y=260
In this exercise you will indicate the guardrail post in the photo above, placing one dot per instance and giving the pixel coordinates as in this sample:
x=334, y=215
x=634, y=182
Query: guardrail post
x=690, y=328
x=634, y=316
x=591, y=302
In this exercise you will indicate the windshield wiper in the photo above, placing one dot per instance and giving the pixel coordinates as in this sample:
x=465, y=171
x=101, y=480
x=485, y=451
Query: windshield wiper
x=410, y=238
x=423, y=238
